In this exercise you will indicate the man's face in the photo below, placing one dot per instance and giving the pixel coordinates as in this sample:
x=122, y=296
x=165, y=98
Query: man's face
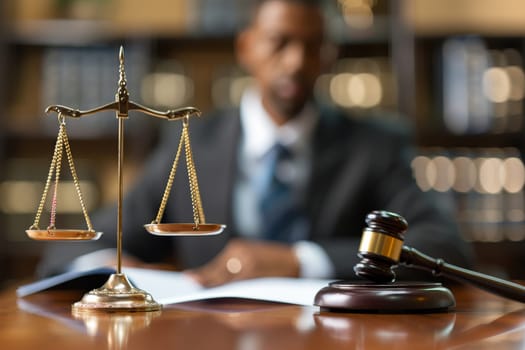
x=282, y=51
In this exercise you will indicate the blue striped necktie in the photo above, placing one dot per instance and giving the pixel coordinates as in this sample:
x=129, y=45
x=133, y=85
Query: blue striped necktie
x=280, y=213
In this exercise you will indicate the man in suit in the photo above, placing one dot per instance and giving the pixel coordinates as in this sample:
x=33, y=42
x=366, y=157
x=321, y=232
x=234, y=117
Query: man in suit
x=337, y=170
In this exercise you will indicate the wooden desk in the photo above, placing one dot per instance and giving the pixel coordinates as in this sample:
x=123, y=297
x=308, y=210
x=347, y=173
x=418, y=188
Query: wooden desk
x=44, y=321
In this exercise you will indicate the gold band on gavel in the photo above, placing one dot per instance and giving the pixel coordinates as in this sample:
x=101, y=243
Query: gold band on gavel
x=381, y=244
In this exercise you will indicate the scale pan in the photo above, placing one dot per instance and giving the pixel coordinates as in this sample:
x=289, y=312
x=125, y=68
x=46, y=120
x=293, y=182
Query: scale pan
x=63, y=235
x=184, y=229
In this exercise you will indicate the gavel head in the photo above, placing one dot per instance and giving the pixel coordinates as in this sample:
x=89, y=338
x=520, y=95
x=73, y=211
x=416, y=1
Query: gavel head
x=381, y=246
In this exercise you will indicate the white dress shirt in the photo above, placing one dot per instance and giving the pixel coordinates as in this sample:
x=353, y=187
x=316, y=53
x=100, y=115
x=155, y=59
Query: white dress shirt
x=259, y=135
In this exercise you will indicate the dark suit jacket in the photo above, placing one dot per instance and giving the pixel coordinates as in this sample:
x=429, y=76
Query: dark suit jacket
x=357, y=166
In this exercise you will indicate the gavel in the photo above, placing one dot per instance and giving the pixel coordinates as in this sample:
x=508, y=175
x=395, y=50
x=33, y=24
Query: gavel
x=382, y=249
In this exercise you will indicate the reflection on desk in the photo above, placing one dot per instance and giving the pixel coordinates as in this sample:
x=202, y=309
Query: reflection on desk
x=45, y=321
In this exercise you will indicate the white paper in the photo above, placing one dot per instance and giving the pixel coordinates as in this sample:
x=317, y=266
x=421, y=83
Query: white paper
x=169, y=287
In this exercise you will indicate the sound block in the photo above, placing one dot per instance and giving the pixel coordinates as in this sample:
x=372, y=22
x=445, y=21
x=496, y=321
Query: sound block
x=397, y=297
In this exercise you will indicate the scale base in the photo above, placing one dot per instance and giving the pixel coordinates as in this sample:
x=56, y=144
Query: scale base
x=398, y=297
x=117, y=294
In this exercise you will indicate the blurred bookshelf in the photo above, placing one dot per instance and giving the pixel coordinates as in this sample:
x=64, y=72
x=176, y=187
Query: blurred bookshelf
x=465, y=92
x=458, y=78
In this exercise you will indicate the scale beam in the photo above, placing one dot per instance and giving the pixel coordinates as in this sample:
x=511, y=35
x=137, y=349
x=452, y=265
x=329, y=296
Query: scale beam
x=172, y=114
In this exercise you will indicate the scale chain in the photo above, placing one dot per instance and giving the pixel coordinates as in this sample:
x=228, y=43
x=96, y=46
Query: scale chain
x=48, y=182
x=61, y=143
x=196, y=203
x=198, y=212
x=75, y=179
x=58, y=164
x=169, y=184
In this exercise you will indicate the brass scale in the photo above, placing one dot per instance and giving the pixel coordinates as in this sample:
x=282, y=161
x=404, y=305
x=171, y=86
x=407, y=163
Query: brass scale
x=118, y=294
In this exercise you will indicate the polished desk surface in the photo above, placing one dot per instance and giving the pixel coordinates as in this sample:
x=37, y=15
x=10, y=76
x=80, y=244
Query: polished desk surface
x=44, y=321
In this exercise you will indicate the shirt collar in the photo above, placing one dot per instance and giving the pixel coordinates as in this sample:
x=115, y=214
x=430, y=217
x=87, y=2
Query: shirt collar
x=261, y=133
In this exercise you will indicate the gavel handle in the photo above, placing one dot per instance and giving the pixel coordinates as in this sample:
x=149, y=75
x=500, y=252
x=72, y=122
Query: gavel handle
x=411, y=257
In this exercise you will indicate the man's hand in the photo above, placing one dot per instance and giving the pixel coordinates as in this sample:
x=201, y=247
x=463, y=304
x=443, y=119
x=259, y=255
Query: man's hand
x=243, y=259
